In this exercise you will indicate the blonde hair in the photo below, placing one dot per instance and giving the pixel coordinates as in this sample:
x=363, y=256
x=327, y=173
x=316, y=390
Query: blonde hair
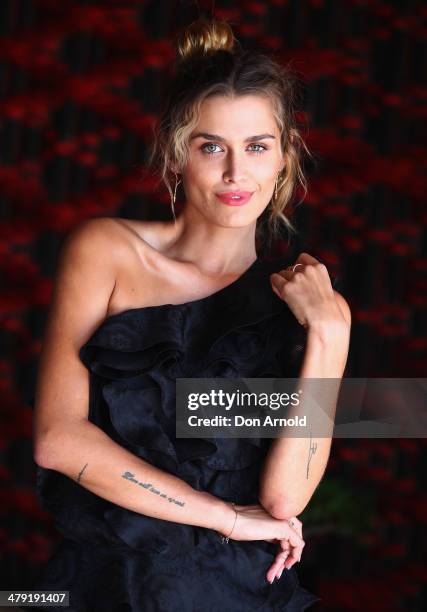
x=211, y=62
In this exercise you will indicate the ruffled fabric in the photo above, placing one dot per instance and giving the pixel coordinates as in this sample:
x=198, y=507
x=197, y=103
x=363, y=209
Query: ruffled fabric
x=134, y=358
x=217, y=578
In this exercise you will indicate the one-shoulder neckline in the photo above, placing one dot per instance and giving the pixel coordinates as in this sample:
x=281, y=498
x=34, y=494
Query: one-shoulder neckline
x=168, y=305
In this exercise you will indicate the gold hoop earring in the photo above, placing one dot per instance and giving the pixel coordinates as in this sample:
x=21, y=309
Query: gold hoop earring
x=177, y=182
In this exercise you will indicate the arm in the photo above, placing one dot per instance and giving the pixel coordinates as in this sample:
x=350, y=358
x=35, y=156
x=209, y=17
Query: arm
x=83, y=452
x=294, y=467
x=64, y=439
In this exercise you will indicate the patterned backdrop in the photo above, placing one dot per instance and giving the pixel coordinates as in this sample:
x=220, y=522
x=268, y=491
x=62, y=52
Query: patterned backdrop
x=80, y=84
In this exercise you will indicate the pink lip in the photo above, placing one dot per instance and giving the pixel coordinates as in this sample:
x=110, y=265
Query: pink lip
x=227, y=197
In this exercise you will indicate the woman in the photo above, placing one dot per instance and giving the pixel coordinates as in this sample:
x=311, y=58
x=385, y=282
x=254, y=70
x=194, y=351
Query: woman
x=138, y=304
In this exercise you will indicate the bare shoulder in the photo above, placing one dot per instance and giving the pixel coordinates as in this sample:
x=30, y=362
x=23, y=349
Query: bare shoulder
x=99, y=230
x=101, y=245
x=131, y=234
x=85, y=277
x=343, y=304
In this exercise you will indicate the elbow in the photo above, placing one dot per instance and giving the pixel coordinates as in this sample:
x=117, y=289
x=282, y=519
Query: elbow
x=44, y=452
x=55, y=448
x=40, y=456
x=283, y=508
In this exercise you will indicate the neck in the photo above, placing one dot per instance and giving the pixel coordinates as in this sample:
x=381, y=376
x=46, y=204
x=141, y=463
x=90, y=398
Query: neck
x=214, y=250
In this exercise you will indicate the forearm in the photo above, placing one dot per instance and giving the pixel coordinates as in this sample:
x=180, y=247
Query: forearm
x=84, y=453
x=294, y=466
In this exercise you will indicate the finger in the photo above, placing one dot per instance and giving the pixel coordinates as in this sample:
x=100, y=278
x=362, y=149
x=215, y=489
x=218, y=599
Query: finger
x=273, y=572
x=295, y=540
x=297, y=525
x=280, y=572
x=306, y=258
x=278, y=281
x=288, y=556
x=277, y=566
x=276, y=569
x=280, y=559
x=284, y=544
x=294, y=556
x=280, y=278
x=309, y=260
x=297, y=545
x=298, y=529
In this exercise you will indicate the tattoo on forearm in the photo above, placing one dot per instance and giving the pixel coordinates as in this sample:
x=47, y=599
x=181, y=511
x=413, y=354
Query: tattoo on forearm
x=312, y=449
x=80, y=474
x=150, y=487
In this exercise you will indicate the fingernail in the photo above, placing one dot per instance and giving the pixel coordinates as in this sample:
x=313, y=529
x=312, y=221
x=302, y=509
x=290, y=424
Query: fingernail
x=280, y=573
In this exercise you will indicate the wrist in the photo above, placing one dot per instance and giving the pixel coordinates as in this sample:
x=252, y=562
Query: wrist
x=329, y=333
x=224, y=516
x=326, y=354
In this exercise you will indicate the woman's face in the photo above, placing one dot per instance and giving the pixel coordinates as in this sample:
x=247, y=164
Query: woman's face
x=235, y=147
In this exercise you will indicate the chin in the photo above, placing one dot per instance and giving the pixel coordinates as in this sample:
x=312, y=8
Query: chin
x=237, y=222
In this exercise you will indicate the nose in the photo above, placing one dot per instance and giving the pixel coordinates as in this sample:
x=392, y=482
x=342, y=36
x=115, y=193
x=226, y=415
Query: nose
x=235, y=170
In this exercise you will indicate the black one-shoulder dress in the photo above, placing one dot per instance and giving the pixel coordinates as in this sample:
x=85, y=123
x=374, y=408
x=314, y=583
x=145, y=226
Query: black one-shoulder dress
x=114, y=560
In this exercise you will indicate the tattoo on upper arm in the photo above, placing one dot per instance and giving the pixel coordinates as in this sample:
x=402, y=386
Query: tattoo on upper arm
x=150, y=487
x=80, y=474
x=312, y=449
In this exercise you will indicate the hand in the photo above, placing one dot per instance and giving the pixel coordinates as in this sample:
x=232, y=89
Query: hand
x=285, y=558
x=255, y=523
x=309, y=294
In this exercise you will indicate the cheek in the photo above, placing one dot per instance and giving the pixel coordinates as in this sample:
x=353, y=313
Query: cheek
x=200, y=179
x=266, y=174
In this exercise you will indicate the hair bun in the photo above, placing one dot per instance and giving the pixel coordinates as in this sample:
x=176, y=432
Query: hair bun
x=204, y=36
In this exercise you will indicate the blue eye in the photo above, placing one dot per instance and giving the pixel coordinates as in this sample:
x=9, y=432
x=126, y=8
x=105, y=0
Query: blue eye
x=213, y=144
x=209, y=144
x=263, y=148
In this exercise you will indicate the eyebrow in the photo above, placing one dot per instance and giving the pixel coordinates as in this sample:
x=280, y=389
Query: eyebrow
x=221, y=139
